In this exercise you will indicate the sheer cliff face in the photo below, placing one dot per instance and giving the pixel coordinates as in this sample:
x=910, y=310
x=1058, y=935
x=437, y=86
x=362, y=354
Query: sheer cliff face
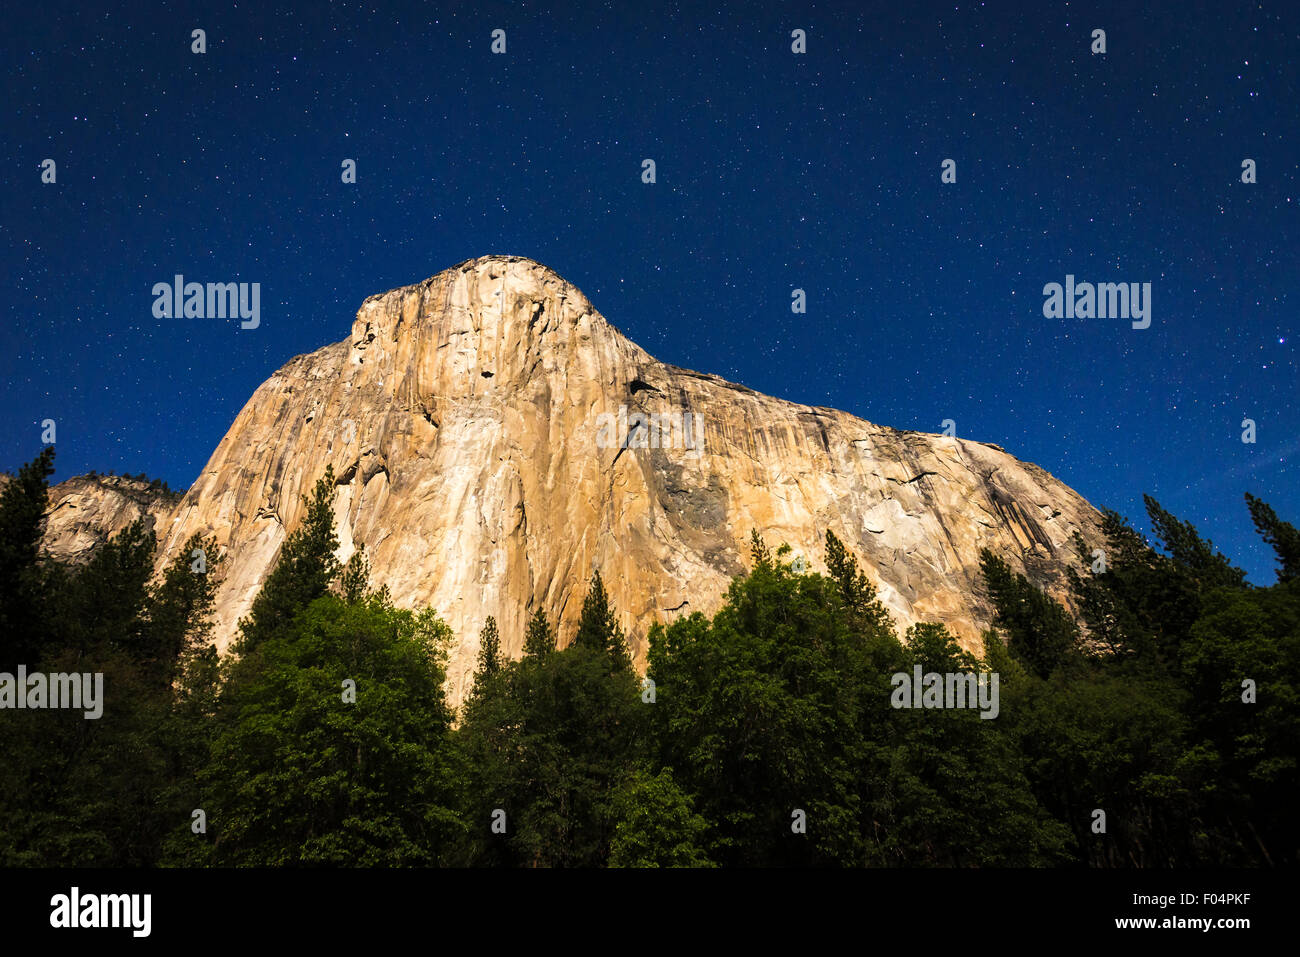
x=476, y=424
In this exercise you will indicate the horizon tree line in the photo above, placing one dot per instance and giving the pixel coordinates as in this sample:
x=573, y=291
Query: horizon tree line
x=1159, y=728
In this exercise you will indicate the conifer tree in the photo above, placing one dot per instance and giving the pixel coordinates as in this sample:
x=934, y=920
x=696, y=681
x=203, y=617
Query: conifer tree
x=489, y=651
x=599, y=629
x=303, y=572
x=355, y=577
x=180, y=607
x=539, y=641
x=1191, y=552
x=105, y=603
x=856, y=590
x=1039, y=631
x=1282, y=536
x=22, y=585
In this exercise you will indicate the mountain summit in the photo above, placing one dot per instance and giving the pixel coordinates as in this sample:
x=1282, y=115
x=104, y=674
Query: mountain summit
x=496, y=440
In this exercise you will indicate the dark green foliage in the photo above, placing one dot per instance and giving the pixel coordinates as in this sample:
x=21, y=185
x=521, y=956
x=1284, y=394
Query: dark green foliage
x=489, y=651
x=354, y=580
x=1158, y=725
x=856, y=590
x=1174, y=708
x=1142, y=604
x=1146, y=601
x=328, y=737
x=955, y=790
x=155, y=485
x=23, y=587
x=303, y=572
x=180, y=608
x=1249, y=750
x=299, y=775
x=782, y=703
x=548, y=738
x=756, y=714
x=1282, y=536
x=657, y=825
x=100, y=792
x=1039, y=631
x=104, y=603
x=1113, y=742
x=88, y=793
x=539, y=641
x=599, y=630
x=1190, y=552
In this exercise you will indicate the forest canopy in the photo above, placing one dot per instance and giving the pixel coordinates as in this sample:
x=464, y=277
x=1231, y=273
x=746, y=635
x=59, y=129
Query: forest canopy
x=1158, y=727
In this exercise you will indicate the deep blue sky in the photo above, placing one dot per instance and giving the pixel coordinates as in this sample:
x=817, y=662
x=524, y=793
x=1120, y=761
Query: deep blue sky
x=775, y=171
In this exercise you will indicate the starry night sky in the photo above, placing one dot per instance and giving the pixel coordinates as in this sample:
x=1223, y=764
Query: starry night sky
x=775, y=171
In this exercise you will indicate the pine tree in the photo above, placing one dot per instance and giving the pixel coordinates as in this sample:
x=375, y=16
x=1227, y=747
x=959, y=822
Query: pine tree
x=23, y=500
x=489, y=652
x=856, y=590
x=1282, y=536
x=490, y=721
x=1146, y=601
x=1039, y=631
x=180, y=607
x=303, y=572
x=355, y=577
x=105, y=603
x=539, y=641
x=1188, y=550
x=599, y=629
x=1110, y=625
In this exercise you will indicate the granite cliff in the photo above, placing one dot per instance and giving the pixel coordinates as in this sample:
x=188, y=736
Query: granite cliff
x=495, y=439
x=87, y=510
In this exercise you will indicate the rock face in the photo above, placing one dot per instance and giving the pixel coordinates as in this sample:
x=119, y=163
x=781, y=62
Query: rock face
x=476, y=423
x=87, y=510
